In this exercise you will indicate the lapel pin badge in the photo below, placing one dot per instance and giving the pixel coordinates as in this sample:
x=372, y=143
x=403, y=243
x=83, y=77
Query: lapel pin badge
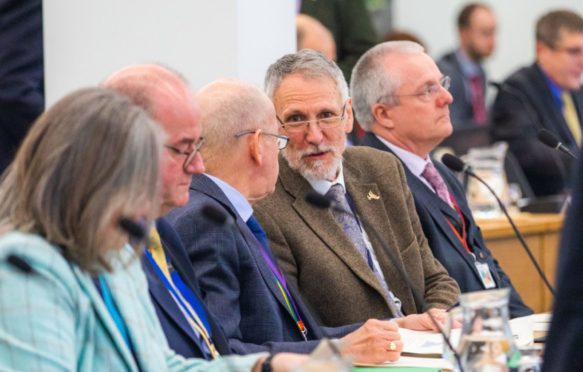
x=372, y=196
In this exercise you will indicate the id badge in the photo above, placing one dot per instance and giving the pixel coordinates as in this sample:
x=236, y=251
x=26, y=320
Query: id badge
x=485, y=274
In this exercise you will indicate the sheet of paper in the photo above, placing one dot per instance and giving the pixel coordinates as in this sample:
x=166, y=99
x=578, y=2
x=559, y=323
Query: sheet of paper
x=407, y=361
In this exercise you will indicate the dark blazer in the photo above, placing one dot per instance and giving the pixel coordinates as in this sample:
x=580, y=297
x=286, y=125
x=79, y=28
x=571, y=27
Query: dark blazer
x=565, y=339
x=324, y=264
x=21, y=72
x=461, y=111
x=178, y=331
x=522, y=107
x=236, y=283
x=442, y=240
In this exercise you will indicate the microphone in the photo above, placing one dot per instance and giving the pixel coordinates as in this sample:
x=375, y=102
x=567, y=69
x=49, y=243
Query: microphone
x=133, y=228
x=533, y=116
x=457, y=165
x=216, y=215
x=549, y=139
x=320, y=201
x=20, y=264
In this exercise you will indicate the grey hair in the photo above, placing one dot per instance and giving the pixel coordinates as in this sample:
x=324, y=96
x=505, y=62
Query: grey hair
x=372, y=83
x=88, y=160
x=310, y=64
x=229, y=106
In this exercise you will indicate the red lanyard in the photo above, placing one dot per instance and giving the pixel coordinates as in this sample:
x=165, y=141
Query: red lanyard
x=463, y=238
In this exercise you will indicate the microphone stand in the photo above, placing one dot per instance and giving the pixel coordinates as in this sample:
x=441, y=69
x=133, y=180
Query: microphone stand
x=516, y=231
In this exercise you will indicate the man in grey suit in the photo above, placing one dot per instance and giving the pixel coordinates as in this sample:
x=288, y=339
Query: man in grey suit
x=335, y=258
x=401, y=99
x=477, y=36
x=241, y=283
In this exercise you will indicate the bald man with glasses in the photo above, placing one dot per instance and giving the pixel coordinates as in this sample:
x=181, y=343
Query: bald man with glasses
x=409, y=119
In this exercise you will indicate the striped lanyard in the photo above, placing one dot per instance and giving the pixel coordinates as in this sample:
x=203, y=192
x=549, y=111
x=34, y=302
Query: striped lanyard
x=282, y=285
x=157, y=258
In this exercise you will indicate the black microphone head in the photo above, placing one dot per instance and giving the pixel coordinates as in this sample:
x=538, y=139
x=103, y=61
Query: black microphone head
x=133, y=228
x=453, y=162
x=495, y=84
x=318, y=200
x=20, y=264
x=214, y=214
x=548, y=138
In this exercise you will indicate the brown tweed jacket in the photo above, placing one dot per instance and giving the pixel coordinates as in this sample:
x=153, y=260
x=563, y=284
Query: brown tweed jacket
x=324, y=264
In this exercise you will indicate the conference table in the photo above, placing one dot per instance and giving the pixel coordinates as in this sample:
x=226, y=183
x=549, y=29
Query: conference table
x=542, y=234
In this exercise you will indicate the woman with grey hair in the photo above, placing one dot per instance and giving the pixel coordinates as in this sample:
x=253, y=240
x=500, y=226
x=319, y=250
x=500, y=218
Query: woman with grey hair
x=72, y=292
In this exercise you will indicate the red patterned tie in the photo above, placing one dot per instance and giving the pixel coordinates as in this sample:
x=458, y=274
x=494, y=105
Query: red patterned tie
x=434, y=178
x=478, y=100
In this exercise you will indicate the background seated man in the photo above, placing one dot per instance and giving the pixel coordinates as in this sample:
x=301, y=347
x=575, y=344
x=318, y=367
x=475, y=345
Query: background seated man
x=546, y=94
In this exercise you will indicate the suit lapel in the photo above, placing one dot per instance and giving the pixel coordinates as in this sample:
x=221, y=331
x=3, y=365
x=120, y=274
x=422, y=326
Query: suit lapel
x=105, y=318
x=435, y=206
x=323, y=224
x=206, y=186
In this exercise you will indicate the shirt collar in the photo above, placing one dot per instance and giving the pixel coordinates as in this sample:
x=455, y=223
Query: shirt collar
x=322, y=186
x=240, y=203
x=412, y=161
x=469, y=67
x=556, y=90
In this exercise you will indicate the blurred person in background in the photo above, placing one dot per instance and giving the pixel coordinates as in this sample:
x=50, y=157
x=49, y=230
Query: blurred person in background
x=545, y=95
x=477, y=39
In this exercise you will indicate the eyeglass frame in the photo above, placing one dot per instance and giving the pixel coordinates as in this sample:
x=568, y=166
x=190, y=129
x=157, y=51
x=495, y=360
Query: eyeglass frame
x=305, y=123
x=572, y=52
x=278, y=137
x=190, y=155
x=427, y=94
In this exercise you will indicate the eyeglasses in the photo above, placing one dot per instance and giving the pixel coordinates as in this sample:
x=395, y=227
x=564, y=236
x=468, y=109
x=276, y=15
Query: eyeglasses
x=428, y=92
x=188, y=154
x=573, y=52
x=302, y=126
x=281, y=139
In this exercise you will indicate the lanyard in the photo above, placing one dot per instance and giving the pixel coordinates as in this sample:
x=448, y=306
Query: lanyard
x=282, y=285
x=192, y=317
x=463, y=238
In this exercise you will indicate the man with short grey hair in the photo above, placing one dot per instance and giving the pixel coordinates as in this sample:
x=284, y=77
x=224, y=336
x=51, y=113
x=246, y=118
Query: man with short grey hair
x=402, y=100
x=335, y=258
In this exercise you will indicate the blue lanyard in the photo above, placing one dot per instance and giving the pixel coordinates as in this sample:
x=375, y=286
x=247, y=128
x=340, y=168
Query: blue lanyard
x=188, y=295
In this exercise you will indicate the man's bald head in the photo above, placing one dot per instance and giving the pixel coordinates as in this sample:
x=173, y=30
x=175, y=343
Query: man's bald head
x=230, y=106
x=165, y=95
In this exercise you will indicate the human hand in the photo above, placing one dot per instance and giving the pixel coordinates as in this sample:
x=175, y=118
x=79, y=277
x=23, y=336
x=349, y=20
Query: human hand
x=377, y=341
x=283, y=362
x=422, y=322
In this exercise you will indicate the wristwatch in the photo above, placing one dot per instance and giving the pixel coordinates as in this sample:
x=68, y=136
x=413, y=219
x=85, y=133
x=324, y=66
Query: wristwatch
x=266, y=365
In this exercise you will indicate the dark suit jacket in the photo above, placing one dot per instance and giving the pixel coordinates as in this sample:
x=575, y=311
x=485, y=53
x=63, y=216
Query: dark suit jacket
x=324, y=264
x=461, y=110
x=179, y=333
x=236, y=283
x=524, y=106
x=21, y=72
x=444, y=243
x=565, y=339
